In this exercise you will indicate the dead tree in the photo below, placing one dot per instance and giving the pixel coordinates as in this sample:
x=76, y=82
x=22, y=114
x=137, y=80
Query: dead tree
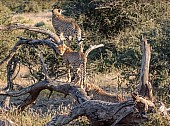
x=145, y=87
x=36, y=88
x=100, y=113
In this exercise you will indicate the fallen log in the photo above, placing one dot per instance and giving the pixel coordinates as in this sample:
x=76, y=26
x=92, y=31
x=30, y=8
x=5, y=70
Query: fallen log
x=102, y=113
x=99, y=112
x=36, y=88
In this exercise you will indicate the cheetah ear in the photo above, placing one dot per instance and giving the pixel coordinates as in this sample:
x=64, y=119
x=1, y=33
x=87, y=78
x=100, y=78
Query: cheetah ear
x=60, y=43
x=62, y=11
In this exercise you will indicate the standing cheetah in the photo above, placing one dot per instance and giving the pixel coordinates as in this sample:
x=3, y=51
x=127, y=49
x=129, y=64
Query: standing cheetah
x=66, y=28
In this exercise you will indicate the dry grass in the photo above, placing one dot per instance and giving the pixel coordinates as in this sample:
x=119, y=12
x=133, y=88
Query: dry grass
x=35, y=117
x=27, y=118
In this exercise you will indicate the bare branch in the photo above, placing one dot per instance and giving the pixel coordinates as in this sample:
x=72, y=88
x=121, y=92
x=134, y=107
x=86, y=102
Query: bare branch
x=34, y=90
x=92, y=48
x=168, y=109
x=29, y=42
x=104, y=7
x=44, y=66
x=35, y=29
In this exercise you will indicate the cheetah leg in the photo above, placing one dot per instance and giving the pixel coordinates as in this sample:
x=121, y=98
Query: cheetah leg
x=81, y=74
x=68, y=73
x=81, y=46
x=81, y=77
x=68, y=41
x=76, y=80
x=84, y=75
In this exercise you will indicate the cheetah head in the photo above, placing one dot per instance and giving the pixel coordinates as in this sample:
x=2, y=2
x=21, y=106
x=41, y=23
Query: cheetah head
x=61, y=49
x=57, y=11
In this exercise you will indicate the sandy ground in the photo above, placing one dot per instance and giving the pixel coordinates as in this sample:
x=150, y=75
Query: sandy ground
x=33, y=18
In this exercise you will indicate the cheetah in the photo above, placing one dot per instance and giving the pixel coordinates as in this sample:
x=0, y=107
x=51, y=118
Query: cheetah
x=66, y=28
x=98, y=93
x=77, y=60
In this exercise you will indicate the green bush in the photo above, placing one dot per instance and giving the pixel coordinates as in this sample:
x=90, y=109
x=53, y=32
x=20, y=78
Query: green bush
x=122, y=23
x=39, y=24
x=28, y=6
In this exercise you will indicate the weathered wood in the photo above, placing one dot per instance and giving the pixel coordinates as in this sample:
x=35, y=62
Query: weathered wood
x=92, y=47
x=145, y=87
x=34, y=90
x=95, y=92
x=31, y=28
x=11, y=67
x=101, y=113
x=44, y=66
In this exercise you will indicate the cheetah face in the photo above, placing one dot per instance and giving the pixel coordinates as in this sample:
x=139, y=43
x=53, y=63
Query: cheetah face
x=61, y=49
x=57, y=11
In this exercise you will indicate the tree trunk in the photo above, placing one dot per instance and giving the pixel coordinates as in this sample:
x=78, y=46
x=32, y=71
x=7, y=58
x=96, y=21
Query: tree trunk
x=145, y=87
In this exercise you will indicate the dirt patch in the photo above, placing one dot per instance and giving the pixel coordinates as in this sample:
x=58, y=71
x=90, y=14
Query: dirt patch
x=33, y=18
